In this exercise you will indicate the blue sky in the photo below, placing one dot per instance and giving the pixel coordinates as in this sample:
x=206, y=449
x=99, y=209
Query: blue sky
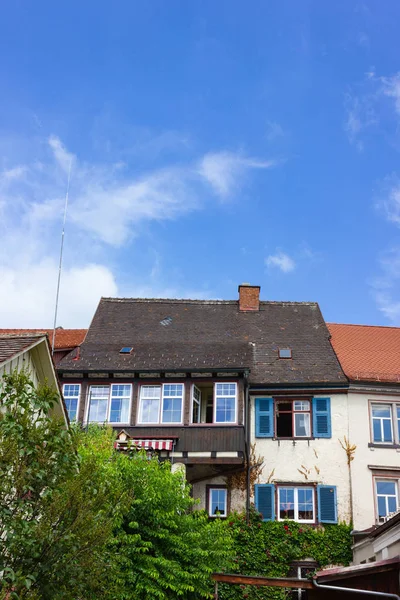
x=211, y=143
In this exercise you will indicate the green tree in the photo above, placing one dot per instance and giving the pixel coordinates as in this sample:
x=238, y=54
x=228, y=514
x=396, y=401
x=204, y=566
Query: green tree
x=162, y=548
x=79, y=520
x=59, y=499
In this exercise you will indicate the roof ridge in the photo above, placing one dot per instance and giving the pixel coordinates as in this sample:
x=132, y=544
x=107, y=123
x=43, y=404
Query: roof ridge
x=197, y=301
x=363, y=325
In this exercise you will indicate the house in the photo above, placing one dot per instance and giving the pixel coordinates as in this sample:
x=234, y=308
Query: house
x=370, y=358
x=377, y=543
x=180, y=377
x=65, y=339
x=31, y=352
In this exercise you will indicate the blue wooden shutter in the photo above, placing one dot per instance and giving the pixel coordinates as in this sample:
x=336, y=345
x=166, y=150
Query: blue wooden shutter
x=322, y=417
x=327, y=504
x=264, y=417
x=265, y=500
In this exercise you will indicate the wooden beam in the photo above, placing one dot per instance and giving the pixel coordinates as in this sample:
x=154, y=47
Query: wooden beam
x=288, y=582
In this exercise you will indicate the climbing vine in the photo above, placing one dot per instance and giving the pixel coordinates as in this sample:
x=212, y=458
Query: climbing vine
x=268, y=548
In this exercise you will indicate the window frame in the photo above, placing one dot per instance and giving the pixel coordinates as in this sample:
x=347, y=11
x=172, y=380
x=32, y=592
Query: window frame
x=296, y=489
x=161, y=404
x=78, y=398
x=109, y=400
x=280, y=400
x=394, y=422
x=215, y=396
x=209, y=489
x=385, y=479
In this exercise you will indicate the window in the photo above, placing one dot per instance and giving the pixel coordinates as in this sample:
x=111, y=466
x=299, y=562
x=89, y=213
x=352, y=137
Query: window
x=385, y=419
x=71, y=393
x=296, y=504
x=382, y=423
x=386, y=497
x=161, y=404
x=214, y=403
x=126, y=350
x=109, y=403
x=285, y=353
x=217, y=501
x=293, y=418
x=225, y=403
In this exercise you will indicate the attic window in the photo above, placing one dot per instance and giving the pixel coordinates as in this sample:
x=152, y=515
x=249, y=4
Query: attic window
x=166, y=321
x=126, y=350
x=285, y=353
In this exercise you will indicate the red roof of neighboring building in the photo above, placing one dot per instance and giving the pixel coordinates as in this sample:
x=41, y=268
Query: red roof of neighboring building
x=66, y=339
x=367, y=352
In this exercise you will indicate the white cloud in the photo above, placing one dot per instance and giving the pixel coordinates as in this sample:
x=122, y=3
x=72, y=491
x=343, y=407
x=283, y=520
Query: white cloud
x=29, y=291
x=225, y=171
x=360, y=116
x=386, y=287
x=391, y=88
x=109, y=204
x=281, y=261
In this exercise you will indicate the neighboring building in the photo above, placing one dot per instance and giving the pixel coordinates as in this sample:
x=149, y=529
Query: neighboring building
x=31, y=353
x=370, y=358
x=377, y=543
x=65, y=339
x=175, y=376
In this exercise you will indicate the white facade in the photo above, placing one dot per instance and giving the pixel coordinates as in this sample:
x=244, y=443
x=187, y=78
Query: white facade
x=309, y=461
x=372, y=461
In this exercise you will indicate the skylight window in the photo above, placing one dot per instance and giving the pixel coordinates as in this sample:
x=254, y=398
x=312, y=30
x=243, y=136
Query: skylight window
x=126, y=350
x=166, y=321
x=285, y=353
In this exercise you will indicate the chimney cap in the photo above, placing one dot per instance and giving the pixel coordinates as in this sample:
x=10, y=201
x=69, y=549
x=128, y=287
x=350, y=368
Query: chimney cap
x=248, y=285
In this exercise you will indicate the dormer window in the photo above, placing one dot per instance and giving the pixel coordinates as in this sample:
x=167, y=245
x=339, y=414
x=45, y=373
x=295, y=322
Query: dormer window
x=285, y=353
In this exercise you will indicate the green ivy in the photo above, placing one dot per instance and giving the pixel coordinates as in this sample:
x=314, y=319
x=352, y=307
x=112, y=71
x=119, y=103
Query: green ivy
x=268, y=548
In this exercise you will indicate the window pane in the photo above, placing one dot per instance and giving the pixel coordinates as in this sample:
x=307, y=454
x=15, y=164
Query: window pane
x=398, y=422
x=302, y=424
x=119, y=412
x=225, y=410
x=386, y=487
x=377, y=430
x=172, y=412
x=150, y=410
x=71, y=390
x=382, y=506
x=150, y=391
x=302, y=405
x=218, y=501
x=98, y=403
x=381, y=411
x=387, y=430
x=392, y=504
x=286, y=503
x=72, y=407
x=98, y=411
x=305, y=504
x=225, y=389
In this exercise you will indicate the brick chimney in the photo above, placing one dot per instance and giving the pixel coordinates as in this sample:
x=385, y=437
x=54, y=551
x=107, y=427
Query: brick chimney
x=249, y=297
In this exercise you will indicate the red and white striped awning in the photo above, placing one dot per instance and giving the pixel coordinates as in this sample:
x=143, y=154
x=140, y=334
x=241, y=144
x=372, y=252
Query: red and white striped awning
x=146, y=444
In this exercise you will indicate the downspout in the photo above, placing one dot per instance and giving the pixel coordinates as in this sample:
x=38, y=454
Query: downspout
x=247, y=441
x=355, y=591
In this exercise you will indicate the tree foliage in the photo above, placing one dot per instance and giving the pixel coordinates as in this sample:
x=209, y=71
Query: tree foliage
x=59, y=500
x=79, y=520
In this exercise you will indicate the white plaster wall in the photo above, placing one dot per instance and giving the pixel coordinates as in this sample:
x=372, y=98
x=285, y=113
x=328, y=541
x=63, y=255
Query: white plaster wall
x=360, y=434
x=324, y=459
x=237, y=497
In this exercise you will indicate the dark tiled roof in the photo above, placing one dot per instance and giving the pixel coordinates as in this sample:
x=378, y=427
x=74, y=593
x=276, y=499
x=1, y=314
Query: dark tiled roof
x=65, y=338
x=211, y=335
x=12, y=344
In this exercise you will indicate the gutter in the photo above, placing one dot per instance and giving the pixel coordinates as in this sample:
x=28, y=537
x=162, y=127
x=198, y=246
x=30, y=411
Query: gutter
x=247, y=441
x=355, y=591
